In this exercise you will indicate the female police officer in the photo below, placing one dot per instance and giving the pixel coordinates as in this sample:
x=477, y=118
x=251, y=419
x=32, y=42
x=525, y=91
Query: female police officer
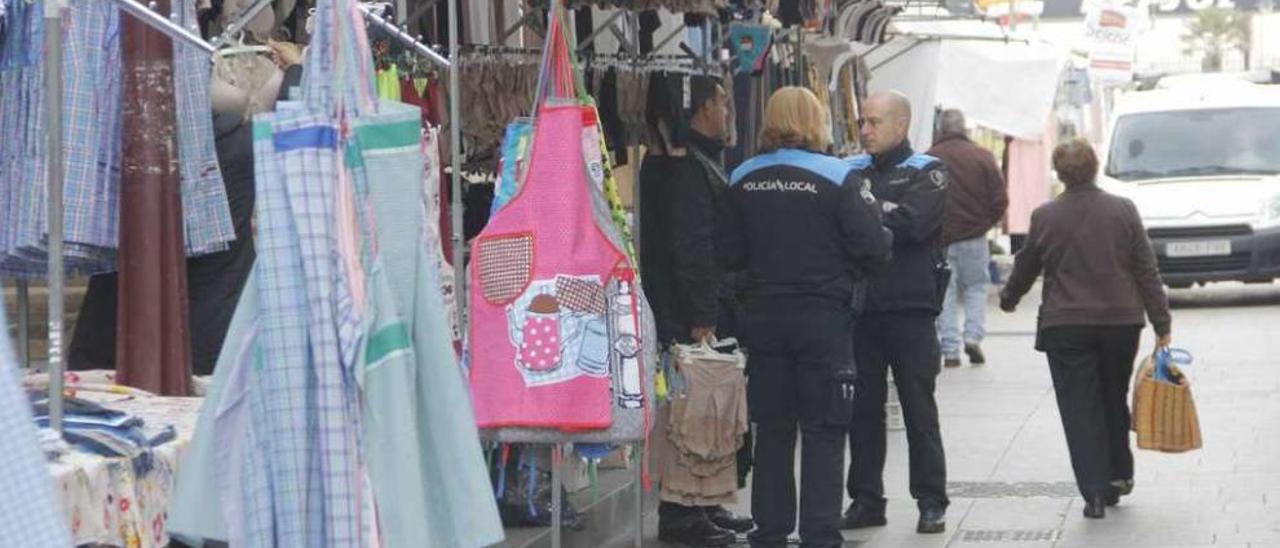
x=807, y=231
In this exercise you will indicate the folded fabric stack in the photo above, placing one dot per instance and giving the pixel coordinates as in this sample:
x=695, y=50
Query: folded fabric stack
x=92, y=428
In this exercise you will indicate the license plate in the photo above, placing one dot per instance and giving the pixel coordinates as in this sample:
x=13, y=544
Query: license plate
x=1210, y=248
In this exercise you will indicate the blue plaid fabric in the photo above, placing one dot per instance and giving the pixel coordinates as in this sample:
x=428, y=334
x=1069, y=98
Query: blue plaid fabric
x=32, y=516
x=206, y=215
x=307, y=401
x=92, y=74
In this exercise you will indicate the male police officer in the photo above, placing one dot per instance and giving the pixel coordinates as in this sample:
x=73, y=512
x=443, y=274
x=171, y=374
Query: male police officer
x=897, y=328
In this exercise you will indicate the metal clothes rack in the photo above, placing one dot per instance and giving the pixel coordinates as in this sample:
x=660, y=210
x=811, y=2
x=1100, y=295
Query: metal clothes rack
x=53, y=119
x=56, y=179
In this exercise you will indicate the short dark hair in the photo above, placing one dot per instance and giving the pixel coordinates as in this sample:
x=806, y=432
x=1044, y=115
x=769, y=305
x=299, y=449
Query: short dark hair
x=1076, y=163
x=665, y=103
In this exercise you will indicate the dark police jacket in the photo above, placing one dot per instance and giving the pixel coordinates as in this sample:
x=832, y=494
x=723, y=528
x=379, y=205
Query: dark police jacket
x=804, y=226
x=912, y=191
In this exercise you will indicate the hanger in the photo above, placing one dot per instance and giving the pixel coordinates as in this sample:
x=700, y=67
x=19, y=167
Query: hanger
x=240, y=48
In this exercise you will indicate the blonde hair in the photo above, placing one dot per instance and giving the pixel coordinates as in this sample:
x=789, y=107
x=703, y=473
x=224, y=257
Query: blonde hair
x=795, y=118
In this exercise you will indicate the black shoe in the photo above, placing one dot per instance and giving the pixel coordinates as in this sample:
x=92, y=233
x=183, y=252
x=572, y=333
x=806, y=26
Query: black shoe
x=695, y=531
x=1095, y=507
x=1119, y=488
x=976, y=357
x=725, y=519
x=951, y=362
x=1124, y=487
x=860, y=516
x=932, y=521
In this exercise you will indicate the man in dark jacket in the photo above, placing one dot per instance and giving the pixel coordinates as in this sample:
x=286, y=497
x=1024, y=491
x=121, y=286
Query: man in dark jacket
x=976, y=200
x=693, y=300
x=897, y=328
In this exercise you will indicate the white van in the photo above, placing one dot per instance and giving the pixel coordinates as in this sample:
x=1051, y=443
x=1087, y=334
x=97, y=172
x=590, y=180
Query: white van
x=1202, y=164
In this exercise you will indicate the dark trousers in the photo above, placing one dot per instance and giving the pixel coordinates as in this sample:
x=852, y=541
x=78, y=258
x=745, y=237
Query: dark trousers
x=1091, y=367
x=907, y=343
x=795, y=350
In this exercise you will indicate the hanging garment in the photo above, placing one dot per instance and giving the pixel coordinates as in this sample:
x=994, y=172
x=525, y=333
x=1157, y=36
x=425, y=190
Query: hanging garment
x=534, y=274
x=515, y=152
x=33, y=516
x=751, y=44
x=367, y=351
x=545, y=270
x=457, y=507
x=91, y=139
x=389, y=83
x=433, y=199
x=207, y=221
x=305, y=397
x=706, y=418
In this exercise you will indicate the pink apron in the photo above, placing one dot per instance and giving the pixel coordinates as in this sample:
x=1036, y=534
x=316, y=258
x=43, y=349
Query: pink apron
x=539, y=334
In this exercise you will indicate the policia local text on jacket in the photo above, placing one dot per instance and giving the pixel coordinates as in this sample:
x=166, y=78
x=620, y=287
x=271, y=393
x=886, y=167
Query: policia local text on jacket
x=807, y=232
x=897, y=331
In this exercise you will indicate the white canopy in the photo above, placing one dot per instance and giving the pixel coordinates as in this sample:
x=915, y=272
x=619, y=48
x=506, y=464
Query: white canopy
x=1005, y=86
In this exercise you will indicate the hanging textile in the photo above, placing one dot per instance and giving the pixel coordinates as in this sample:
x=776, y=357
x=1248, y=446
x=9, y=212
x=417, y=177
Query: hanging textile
x=435, y=237
x=32, y=514
x=515, y=151
x=456, y=502
x=370, y=356
x=558, y=321
x=389, y=83
x=707, y=7
x=91, y=139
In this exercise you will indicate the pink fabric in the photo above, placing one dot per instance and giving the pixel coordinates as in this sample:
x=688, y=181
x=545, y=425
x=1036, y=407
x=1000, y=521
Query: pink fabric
x=1028, y=182
x=510, y=384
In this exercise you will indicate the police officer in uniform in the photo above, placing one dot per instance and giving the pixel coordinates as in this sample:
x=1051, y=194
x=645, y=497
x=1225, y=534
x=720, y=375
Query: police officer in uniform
x=897, y=329
x=807, y=231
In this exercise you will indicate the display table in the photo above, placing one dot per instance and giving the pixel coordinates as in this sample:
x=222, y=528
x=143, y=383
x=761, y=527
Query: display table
x=107, y=500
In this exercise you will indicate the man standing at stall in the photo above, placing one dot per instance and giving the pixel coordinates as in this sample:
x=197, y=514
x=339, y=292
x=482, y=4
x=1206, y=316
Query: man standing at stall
x=897, y=328
x=682, y=187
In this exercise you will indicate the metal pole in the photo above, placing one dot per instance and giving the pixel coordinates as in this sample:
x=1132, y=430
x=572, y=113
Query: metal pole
x=455, y=163
x=24, y=323
x=53, y=134
x=239, y=22
x=557, y=517
x=639, y=492
x=403, y=37
x=162, y=24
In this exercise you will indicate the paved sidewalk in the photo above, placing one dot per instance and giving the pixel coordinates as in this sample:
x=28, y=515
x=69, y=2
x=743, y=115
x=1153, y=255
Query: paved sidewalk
x=1011, y=480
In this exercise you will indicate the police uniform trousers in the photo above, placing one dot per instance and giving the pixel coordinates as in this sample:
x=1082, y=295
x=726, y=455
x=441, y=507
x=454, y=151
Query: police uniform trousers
x=907, y=343
x=795, y=348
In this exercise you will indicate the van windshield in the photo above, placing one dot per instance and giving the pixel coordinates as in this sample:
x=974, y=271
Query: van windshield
x=1195, y=142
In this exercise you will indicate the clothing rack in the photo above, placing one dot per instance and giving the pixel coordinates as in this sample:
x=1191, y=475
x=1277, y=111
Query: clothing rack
x=56, y=177
x=237, y=25
x=154, y=20
x=56, y=180
x=413, y=44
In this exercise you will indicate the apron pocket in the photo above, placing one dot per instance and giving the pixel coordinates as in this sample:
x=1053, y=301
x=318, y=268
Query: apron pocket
x=504, y=264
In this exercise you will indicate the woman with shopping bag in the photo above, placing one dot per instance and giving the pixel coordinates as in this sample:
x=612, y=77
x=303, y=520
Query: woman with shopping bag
x=1101, y=285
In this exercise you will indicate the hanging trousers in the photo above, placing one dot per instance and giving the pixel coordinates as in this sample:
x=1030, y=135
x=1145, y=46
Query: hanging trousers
x=1091, y=368
x=907, y=343
x=795, y=352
